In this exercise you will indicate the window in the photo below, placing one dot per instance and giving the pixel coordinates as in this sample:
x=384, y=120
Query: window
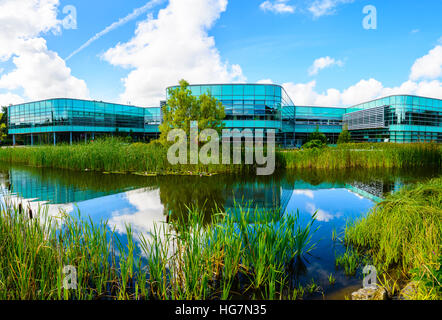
x=227, y=90
x=260, y=90
x=216, y=91
x=278, y=91
x=206, y=90
x=238, y=90
x=249, y=90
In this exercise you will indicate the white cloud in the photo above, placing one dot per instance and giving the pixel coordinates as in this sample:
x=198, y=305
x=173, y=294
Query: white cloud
x=136, y=13
x=305, y=94
x=174, y=46
x=10, y=98
x=364, y=90
x=277, y=6
x=145, y=216
x=429, y=66
x=326, y=7
x=42, y=74
x=265, y=81
x=321, y=215
x=306, y=193
x=25, y=19
x=147, y=212
x=322, y=63
x=39, y=72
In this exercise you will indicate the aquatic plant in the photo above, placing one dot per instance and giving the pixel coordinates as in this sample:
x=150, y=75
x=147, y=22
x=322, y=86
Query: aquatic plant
x=110, y=155
x=404, y=233
x=365, y=155
x=331, y=279
x=312, y=287
x=232, y=254
x=117, y=155
x=185, y=259
x=349, y=261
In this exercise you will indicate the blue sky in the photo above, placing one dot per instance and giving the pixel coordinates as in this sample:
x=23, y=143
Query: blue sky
x=220, y=41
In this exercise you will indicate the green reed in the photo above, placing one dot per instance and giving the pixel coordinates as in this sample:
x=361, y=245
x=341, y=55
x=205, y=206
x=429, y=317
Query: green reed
x=348, y=261
x=366, y=155
x=331, y=279
x=403, y=235
x=109, y=155
x=230, y=256
x=186, y=259
x=115, y=155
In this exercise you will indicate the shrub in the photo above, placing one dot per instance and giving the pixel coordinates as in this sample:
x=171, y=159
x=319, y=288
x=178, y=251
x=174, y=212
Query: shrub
x=316, y=135
x=314, y=144
x=344, y=136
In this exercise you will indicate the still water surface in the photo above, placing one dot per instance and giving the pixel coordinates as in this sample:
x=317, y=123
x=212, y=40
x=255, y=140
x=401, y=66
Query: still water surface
x=337, y=197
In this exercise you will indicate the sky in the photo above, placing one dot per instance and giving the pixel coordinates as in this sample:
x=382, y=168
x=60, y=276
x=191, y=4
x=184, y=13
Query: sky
x=323, y=52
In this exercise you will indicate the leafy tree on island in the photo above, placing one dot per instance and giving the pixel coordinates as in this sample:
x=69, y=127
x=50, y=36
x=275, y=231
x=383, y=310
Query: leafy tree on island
x=182, y=108
x=344, y=136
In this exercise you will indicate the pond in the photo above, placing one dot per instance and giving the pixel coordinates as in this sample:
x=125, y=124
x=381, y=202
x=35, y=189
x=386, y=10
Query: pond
x=336, y=197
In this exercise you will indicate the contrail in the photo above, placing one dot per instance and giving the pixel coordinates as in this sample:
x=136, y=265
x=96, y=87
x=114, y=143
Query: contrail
x=122, y=21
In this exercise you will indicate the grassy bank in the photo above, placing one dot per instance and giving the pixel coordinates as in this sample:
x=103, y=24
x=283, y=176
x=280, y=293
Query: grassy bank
x=403, y=237
x=381, y=155
x=113, y=155
x=109, y=155
x=181, y=260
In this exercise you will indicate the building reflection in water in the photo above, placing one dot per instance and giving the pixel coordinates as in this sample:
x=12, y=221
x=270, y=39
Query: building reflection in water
x=141, y=201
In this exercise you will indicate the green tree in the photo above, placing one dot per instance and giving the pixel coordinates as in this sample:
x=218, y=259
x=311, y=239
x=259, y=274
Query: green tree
x=316, y=135
x=313, y=144
x=182, y=108
x=344, y=136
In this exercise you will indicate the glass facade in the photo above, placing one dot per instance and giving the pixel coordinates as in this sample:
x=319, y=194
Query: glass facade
x=400, y=119
x=30, y=186
x=152, y=119
x=81, y=116
x=327, y=120
x=248, y=106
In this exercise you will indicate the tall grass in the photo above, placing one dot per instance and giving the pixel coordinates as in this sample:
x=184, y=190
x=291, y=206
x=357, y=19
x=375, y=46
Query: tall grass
x=227, y=258
x=109, y=155
x=115, y=155
x=403, y=235
x=381, y=155
x=186, y=259
x=348, y=261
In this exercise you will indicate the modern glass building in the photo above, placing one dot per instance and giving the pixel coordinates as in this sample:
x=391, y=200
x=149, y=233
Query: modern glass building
x=400, y=118
x=248, y=106
x=325, y=119
x=71, y=120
